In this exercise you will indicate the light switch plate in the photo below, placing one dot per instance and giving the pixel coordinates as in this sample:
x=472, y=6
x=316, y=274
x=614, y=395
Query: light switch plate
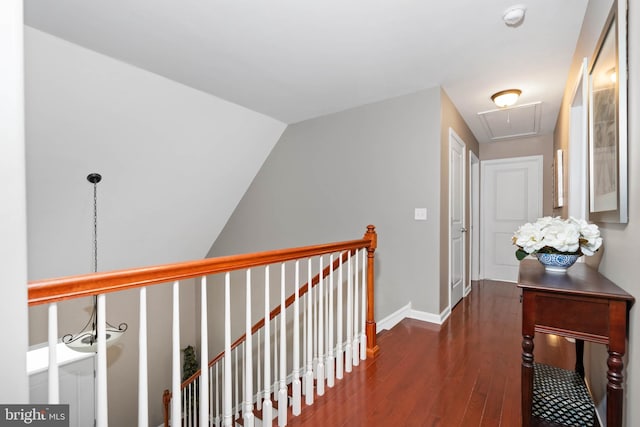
x=420, y=214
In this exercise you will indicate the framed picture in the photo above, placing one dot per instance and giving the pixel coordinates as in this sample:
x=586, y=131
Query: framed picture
x=608, y=121
x=558, y=176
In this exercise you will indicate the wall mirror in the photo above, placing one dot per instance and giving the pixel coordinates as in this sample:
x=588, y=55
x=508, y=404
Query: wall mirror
x=608, y=121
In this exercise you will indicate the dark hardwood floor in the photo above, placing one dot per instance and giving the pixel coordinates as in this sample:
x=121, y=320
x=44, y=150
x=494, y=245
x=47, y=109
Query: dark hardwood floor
x=465, y=372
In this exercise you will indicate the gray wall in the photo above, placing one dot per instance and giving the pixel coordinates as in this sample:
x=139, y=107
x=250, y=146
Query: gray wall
x=619, y=261
x=327, y=178
x=451, y=119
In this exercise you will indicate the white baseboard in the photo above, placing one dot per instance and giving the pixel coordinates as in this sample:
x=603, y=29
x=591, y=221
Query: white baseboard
x=407, y=312
x=393, y=319
x=438, y=319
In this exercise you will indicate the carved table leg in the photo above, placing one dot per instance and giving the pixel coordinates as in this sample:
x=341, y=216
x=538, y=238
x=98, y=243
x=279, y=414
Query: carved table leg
x=614, y=389
x=580, y=357
x=527, y=379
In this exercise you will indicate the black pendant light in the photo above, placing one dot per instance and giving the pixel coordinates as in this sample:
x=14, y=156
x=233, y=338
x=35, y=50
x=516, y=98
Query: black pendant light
x=86, y=340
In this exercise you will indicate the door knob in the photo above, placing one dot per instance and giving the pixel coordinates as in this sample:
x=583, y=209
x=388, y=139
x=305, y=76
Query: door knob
x=463, y=230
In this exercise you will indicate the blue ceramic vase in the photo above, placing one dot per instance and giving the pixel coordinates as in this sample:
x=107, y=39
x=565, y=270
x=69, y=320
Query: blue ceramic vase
x=557, y=263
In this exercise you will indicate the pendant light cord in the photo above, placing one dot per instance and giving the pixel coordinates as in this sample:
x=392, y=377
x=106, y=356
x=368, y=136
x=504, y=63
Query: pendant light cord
x=95, y=227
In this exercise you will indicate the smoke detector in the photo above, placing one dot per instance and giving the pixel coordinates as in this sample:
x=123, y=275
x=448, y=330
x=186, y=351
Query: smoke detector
x=514, y=15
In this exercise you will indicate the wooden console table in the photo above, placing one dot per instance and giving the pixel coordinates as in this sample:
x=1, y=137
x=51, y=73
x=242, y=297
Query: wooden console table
x=582, y=304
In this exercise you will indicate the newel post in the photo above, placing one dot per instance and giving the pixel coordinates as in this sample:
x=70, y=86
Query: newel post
x=372, y=347
x=166, y=398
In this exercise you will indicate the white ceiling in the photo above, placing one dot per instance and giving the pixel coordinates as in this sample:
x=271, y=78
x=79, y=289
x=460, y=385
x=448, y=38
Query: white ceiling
x=294, y=60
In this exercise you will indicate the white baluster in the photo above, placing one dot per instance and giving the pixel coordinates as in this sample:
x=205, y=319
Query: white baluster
x=309, y=353
x=247, y=413
x=189, y=405
x=356, y=314
x=275, y=386
x=330, y=350
x=176, y=410
x=339, y=353
x=211, y=396
x=295, y=385
x=266, y=405
x=304, y=343
x=54, y=382
x=218, y=396
x=314, y=302
x=204, y=354
x=320, y=366
x=282, y=393
x=185, y=404
x=237, y=384
x=347, y=350
x=259, y=374
x=143, y=388
x=102, y=412
x=228, y=416
x=363, y=311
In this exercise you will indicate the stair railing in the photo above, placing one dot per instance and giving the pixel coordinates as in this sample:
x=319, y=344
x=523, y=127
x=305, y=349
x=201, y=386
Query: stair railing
x=52, y=291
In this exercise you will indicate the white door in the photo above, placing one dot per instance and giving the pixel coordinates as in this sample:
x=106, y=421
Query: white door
x=511, y=196
x=456, y=216
x=76, y=388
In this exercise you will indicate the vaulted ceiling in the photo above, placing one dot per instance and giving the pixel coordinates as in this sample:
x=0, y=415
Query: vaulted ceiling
x=294, y=60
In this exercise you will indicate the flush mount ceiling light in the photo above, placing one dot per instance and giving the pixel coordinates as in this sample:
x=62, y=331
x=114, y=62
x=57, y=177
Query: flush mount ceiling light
x=506, y=98
x=514, y=15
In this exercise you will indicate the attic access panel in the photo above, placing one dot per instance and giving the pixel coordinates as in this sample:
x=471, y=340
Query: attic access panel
x=512, y=122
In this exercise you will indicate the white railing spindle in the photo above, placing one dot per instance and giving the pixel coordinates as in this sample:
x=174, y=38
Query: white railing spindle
x=282, y=392
x=356, y=314
x=211, y=395
x=309, y=353
x=339, y=353
x=303, y=371
x=267, y=405
x=204, y=354
x=217, y=418
x=143, y=388
x=363, y=310
x=259, y=372
x=320, y=366
x=176, y=411
x=228, y=416
x=54, y=381
x=347, y=350
x=237, y=383
x=275, y=385
x=296, y=386
x=247, y=413
x=330, y=350
x=102, y=410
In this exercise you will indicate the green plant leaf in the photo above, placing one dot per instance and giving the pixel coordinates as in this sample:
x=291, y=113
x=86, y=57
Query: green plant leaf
x=521, y=254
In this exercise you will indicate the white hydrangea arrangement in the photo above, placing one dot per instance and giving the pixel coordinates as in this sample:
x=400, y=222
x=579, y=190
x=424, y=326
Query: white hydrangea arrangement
x=556, y=235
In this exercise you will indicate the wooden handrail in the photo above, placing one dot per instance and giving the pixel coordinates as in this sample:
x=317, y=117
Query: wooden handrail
x=372, y=348
x=72, y=287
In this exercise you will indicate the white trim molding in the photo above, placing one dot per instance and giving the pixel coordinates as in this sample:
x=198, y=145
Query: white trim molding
x=406, y=311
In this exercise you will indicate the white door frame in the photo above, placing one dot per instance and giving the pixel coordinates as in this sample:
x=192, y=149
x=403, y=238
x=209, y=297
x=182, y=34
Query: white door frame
x=578, y=146
x=454, y=138
x=474, y=223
